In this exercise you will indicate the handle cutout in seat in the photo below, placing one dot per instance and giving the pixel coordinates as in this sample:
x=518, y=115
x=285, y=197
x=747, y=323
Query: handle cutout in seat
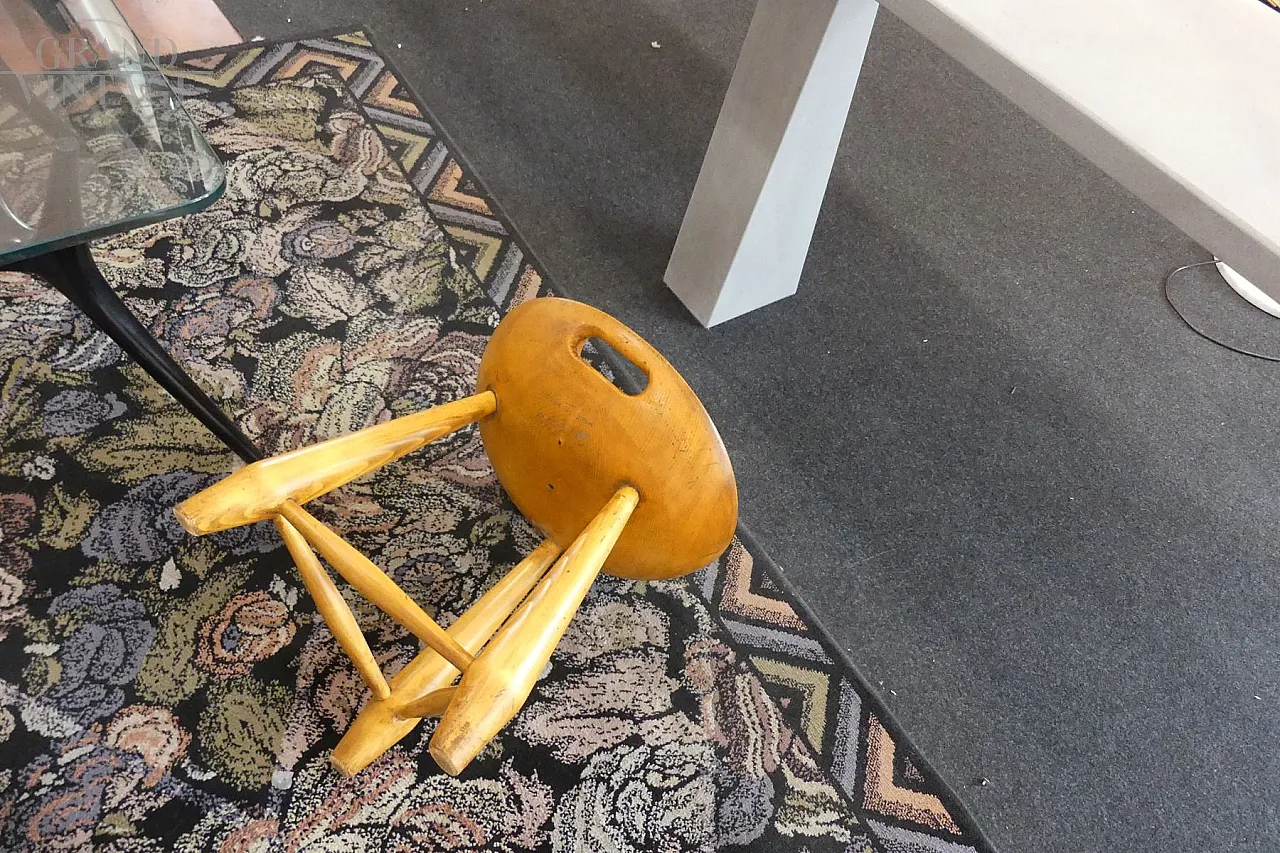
x=622, y=372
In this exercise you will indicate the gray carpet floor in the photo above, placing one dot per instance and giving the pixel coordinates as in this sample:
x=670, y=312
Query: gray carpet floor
x=1022, y=494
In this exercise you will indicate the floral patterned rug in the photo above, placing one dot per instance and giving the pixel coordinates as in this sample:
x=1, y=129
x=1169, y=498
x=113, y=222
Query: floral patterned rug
x=160, y=692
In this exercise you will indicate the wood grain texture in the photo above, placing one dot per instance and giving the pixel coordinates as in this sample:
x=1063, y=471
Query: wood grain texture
x=333, y=608
x=378, y=727
x=165, y=27
x=564, y=439
x=496, y=686
x=374, y=584
x=256, y=491
x=432, y=704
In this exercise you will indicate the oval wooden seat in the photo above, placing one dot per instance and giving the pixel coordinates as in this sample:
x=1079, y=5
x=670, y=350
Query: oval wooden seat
x=564, y=439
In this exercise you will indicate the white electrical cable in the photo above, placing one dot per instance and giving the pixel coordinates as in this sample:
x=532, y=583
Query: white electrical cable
x=1247, y=289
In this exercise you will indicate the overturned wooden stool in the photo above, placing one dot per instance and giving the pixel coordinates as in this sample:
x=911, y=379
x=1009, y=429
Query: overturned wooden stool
x=637, y=485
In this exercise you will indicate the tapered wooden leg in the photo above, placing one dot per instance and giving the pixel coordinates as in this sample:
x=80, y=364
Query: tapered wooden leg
x=378, y=726
x=374, y=584
x=332, y=606
x=497, y=684
x=255, y=492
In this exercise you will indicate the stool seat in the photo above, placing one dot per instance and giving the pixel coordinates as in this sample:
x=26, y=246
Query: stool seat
x=564, y=439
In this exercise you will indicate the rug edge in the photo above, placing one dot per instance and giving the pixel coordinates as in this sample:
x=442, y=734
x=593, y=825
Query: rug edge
x=952, y=800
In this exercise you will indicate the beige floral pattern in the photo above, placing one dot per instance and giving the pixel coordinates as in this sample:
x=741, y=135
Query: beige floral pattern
x=173, y=693
x=153, y=733
x=252, y=627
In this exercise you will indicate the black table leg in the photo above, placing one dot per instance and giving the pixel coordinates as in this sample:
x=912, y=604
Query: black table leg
x=73, y=272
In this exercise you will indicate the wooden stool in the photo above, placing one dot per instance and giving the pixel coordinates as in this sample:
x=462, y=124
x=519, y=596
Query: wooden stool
x=637, y=485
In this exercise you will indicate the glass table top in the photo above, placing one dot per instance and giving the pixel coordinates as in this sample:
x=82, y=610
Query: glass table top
x=92, y=138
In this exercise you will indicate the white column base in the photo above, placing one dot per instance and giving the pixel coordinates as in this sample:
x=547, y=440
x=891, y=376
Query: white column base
x=1247, y=289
